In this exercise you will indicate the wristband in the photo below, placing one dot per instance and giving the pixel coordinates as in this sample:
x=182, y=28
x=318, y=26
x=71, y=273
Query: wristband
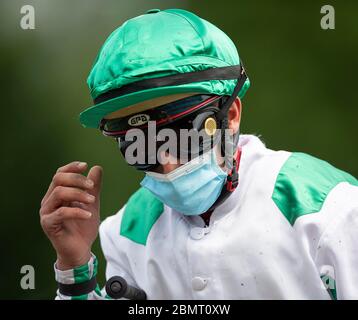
x=78, y=281
x=77, y=289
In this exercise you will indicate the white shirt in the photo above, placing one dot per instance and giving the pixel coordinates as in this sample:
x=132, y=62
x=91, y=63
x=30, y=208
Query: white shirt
x=277, y=236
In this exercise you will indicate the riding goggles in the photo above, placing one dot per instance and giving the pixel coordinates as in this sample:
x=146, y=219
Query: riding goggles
x=196, y=115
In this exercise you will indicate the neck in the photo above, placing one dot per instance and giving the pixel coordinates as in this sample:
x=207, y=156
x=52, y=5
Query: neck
x=206, y=217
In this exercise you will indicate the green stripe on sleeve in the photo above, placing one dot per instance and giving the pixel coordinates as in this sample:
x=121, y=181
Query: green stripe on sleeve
x=85, y=273
x=303, y=184
x=81, y=273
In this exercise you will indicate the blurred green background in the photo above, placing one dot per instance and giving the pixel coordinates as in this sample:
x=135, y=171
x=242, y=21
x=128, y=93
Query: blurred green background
x=303, y=98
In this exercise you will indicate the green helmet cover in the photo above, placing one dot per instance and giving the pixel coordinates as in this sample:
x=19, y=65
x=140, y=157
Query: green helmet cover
x=159, y=44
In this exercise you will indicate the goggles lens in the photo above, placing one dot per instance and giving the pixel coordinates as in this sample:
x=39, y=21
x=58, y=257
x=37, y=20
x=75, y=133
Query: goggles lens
x=183, y=129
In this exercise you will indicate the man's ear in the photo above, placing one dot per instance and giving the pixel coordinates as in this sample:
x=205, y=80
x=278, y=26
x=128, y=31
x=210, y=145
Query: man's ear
x=234, y=115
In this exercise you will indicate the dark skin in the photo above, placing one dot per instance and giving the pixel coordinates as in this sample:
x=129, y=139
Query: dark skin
x=69, y=213
x=206, y=217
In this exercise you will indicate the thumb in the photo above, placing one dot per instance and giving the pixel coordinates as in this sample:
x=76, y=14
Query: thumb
x=95, y=174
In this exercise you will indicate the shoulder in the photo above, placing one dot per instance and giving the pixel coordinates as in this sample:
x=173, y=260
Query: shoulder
x=303, y=184
x=135, y=220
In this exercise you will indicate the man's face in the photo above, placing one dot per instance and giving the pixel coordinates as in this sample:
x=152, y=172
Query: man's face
x=162, y=139
x=234, y=123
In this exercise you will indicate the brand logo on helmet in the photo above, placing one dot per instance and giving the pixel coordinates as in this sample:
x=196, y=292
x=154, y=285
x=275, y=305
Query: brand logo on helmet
x=138, y=120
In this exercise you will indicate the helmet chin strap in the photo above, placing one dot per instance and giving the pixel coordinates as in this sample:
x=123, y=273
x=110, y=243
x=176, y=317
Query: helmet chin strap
x=232, y=180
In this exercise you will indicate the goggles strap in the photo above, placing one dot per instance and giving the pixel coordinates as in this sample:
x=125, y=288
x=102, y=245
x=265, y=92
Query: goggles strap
x=223, y=113
x=233, y=177
x=227, y=104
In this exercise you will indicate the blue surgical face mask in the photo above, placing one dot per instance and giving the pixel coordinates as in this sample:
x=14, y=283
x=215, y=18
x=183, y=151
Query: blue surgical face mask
x=192, y=188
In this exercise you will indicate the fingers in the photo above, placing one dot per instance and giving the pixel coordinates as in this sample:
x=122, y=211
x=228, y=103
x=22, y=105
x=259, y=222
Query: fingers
x=73, y=167
x=62, y=195
x=77, y=204
x=72, y=180
x=51, y=221
x=69, y=188
x=95, y=175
